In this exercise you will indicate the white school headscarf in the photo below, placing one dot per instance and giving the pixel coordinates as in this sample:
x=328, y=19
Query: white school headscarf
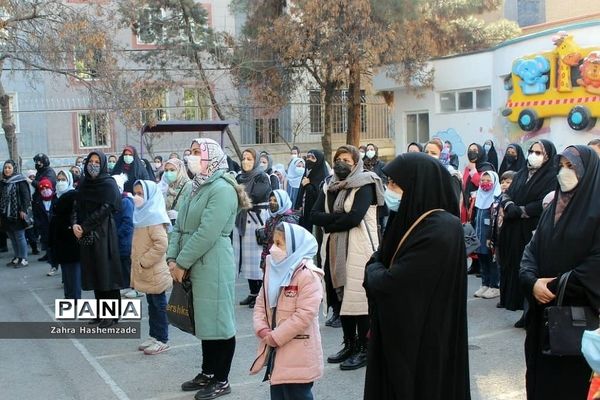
x=153, y=211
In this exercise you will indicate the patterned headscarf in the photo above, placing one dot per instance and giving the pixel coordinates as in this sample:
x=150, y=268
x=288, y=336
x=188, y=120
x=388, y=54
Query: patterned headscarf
x=212, y=158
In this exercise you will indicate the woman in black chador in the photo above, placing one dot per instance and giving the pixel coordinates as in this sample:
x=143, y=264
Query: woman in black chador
x=93, y=224
x=418, y=291
x=567, y=238
x=522, y=206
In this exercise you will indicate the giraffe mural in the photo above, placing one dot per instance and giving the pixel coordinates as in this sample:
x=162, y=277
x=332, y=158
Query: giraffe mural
x=568, y=55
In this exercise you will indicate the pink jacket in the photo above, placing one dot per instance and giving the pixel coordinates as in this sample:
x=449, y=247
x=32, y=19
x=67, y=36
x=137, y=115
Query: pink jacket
x=299, y=356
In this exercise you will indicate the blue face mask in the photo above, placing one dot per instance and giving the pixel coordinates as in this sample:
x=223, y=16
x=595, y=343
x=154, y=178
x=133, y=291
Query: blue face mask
x=590, y=347
x=392, y=200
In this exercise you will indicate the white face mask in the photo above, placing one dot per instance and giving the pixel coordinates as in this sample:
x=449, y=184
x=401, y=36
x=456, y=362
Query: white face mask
x=535, y=161
x=138, y=201
x=194, y=164
x=157, y=164
x=277, y=254
x=362, y=154
x=128, y=159
x=370, y=153
x=61, y=186
x=567, y=179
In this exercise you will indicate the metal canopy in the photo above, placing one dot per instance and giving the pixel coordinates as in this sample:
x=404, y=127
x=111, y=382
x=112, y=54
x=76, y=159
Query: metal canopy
x=187, y=126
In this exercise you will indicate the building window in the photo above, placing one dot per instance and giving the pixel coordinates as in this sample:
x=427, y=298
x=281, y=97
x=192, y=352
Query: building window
x=93, y=130
x=417, y=127
x=86, y=62
x=12, y=103
x=466, y=100
x=155, y=108
x=339, y=117
x=266, y=130
x=316, y=121
x=530, y=12
x=150, y=26
x=197, y=104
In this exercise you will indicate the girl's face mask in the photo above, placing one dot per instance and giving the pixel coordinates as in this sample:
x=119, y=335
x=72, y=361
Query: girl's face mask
x=277, y=254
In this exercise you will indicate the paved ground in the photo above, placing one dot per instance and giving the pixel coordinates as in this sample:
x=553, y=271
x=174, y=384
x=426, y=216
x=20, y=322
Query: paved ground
x=114, y=369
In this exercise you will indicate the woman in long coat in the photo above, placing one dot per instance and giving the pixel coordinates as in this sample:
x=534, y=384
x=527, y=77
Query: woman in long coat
x=247, y=250
x=93, y=224
x=567, y=239
x=417, y=291
x=522, y=206
x=200, y=244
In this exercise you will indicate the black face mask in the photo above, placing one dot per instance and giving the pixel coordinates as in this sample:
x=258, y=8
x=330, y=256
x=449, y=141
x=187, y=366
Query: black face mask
x=472, y=155
x=39, y=166
x=342, y=170
x=511, y=158
x=310, y=164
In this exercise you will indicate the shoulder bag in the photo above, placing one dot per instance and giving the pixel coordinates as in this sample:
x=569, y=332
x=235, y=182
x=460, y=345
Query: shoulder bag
x=564, y=325
x=412, y=227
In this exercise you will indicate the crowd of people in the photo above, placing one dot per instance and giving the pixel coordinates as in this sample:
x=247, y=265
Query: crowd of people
x=384, y=246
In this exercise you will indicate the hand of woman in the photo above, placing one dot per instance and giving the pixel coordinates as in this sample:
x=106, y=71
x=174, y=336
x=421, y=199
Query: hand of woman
x=270, y=341
x=177, y=274
x=541, y=292
x=305, y=181
x=22, y=214
x=77, y=231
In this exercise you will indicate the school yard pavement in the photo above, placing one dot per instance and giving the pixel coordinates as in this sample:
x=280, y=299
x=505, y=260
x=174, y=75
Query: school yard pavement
x=114, y=369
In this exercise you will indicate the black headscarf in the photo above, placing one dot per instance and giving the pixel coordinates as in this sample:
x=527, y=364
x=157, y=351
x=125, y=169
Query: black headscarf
x=419, y=145
x=524, y=189
x=318, y=172
x=426, y=184
x=100, y=190
x=481, y=156
x=492, y=155
x=510, y=165
x=569, y=243
x=137, y=170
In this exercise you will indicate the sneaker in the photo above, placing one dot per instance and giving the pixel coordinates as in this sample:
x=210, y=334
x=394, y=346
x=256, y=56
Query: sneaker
x=146, y=343
x=213, y=390
x=53, y=271
x=13, y=262
x=480, y=291
x=199, y=382
x=491, y=293
x=132, y=294
x=156, y=348
x=22, y=263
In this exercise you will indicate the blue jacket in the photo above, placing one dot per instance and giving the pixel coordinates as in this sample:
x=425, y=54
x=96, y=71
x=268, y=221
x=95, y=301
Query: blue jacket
x=483, y=229
x=124, y=221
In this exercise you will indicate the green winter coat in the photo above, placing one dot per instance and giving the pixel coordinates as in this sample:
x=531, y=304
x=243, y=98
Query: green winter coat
x=200, y=243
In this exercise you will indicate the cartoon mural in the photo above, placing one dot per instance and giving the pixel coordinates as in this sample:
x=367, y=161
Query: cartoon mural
x=451, y=135
x=570, y=88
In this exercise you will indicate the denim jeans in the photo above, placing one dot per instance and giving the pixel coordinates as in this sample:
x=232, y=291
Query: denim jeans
x=490, y=276
x=157, y=316
x=19, y=244
x=71, y=275
x=292, y=391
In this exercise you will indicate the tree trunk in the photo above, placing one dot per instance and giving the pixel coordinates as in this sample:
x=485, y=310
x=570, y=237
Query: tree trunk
x=329, y=89
x=8, y=125
x=354, y=101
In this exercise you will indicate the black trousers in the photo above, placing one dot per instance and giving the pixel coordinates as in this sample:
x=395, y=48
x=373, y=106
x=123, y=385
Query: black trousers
x=216, y=358
x=355, y=326
x=332, y=298
x=107, y=294
x=254, y=285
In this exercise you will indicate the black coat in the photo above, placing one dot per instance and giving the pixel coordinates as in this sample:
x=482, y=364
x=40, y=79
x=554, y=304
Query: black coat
x=418, y=344
x=308, y=194
x=24, y=203
x=101, y=262
x=62, y=241
x=42, y=217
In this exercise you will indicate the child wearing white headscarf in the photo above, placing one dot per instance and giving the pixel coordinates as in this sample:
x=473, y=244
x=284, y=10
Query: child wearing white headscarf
x=149, y=272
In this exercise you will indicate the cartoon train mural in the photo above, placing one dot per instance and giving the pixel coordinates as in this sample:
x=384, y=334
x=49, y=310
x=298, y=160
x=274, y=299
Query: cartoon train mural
x=564, y=82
